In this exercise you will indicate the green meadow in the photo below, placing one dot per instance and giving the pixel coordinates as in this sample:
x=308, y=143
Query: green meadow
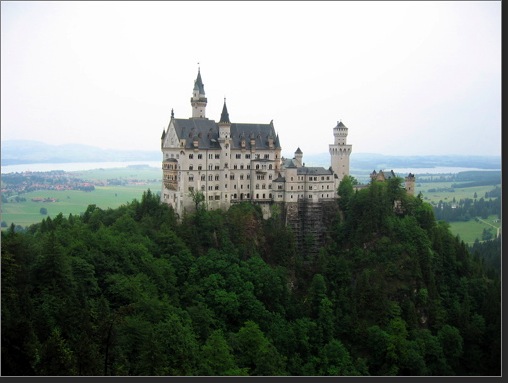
x=71, y=202
x=76, y=201
x=470, y=230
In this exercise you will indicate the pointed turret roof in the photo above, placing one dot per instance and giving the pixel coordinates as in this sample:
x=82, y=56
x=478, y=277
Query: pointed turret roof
x=298, y=151
x=224, y=117
x=198, y=83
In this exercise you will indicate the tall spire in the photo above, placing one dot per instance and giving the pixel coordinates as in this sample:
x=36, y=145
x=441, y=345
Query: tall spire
x=198, y=99
x=198, y=84
x=224, y=117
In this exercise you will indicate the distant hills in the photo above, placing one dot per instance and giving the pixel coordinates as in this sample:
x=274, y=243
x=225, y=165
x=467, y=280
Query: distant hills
x=16, y=152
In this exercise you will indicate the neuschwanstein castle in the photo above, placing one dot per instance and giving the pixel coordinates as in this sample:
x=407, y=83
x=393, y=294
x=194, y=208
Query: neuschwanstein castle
x=232, y=162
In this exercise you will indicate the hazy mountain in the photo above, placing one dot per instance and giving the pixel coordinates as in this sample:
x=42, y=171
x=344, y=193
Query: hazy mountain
x=25, y=151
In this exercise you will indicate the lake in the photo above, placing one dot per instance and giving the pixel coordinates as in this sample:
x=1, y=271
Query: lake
x=75, y=166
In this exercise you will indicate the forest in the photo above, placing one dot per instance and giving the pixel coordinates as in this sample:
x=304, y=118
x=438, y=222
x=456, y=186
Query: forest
x=134, y=291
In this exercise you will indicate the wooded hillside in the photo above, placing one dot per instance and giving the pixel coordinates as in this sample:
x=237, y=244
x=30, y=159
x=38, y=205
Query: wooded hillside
x=133, y=291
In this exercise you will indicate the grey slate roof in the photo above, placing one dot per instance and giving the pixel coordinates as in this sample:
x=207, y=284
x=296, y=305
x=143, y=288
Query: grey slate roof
x=207, y=132
x=313, y=171
x=224, y=117
x=198, y=83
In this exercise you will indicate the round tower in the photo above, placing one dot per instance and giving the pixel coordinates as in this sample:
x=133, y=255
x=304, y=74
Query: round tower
x=340, y=151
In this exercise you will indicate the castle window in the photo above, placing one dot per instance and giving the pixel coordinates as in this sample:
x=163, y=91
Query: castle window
x=203, y=177
x=216, y=177
x=267, y=156
x=217, y=167
x=248, y=176
x=210, y=167
x=200, y=156
x=238, y=156
x=257, y=166
x=191, y=156
x=270, y=177
x=263, y=186
x=202, y=187
x=232, y=177
x=216, y=187
x=210, y=187
x=217, y=156
x=235, y=167
x=248, y=167
x=191, y=167
x=270, y=166
x=234, y=186
x=241, y=176
x=257, y=186
x=191, y=178
x=247, y=156
x=241, y=167
x=191, y=188
x=200, y=167
x=217, y=197
x=210, y=178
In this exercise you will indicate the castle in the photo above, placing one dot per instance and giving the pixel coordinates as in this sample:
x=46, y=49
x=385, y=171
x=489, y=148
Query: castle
x=233, y=162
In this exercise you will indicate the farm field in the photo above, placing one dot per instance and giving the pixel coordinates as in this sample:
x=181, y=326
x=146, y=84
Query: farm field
x=468, y=231
x=71, y=202
x=130, y=183
x=447, y=196
x=471, y=230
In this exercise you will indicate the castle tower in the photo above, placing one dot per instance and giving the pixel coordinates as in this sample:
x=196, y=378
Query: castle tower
x=198, y=99
x=410, y=184
x=224, y=125
x=340, y=151
x=299, y=157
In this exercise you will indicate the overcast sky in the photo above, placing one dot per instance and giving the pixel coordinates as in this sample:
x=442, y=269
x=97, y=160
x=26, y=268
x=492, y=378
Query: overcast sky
x=406, y=77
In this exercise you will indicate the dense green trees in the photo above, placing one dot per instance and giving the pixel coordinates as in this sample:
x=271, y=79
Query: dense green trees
x=134, y=291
